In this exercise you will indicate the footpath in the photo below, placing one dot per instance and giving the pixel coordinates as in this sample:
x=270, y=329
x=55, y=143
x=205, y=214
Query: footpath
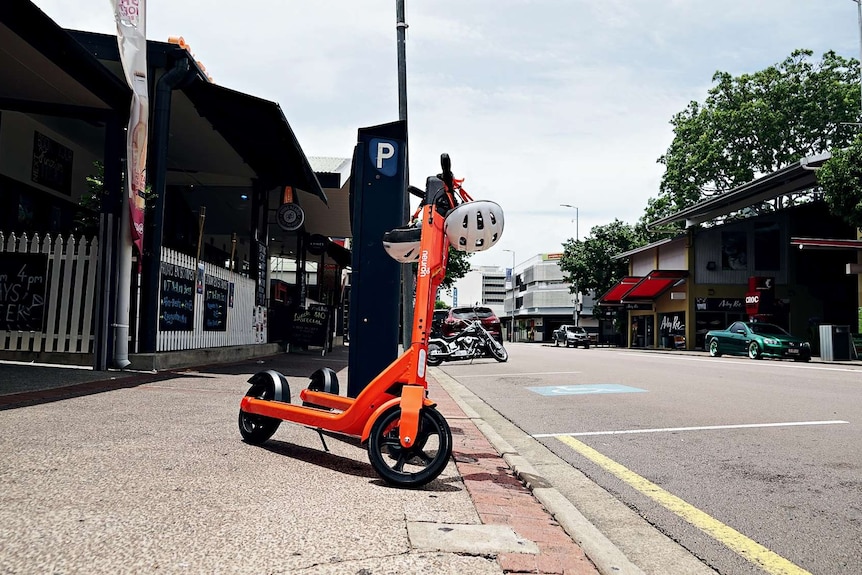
x=146, y=473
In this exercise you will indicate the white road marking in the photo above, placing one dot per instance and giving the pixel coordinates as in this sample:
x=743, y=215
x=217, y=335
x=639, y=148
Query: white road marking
x=752, y=363
x=700, y=428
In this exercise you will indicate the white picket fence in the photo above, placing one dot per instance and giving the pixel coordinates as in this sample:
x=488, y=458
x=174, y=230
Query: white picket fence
x=69, y=294
x=245, y=322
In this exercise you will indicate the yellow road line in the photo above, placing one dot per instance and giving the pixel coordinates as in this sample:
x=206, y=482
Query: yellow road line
x=747, y=548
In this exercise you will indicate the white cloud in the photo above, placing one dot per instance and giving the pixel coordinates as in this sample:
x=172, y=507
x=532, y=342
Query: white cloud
x=538, y=102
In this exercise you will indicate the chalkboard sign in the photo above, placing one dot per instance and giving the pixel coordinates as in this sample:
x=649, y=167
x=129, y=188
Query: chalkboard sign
x=23, y=279
x=177, y=298
x=262, y=268
x=215, y=304
x=309, y=326
x=52, y=164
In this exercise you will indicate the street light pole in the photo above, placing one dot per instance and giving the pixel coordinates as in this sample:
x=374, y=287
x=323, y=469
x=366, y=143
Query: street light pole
x=512, y=328
x=406, y=269
x=577, y=238
x=577, y=314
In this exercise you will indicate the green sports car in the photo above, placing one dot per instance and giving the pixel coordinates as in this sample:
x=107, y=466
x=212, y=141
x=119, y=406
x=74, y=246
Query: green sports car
x=757, y=340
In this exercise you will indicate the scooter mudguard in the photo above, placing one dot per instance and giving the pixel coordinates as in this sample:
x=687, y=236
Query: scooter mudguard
x=382, y=409
x=411, y=404
x=270, y=377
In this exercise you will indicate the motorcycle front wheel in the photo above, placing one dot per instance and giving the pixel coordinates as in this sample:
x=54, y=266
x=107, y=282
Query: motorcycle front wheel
x=497, y=350
x=435, y=353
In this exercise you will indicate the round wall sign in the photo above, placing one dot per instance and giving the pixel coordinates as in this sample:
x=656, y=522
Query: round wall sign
x=289, y=217
x=316, y=244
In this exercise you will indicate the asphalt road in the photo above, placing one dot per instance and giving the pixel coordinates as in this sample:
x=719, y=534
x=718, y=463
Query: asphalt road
x=753, y=466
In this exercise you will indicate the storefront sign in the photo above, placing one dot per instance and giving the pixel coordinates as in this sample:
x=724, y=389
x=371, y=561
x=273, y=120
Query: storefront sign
x=215, y=303
x=52, y=164
x=176, y=298
x=726, y=304
x=641, y=306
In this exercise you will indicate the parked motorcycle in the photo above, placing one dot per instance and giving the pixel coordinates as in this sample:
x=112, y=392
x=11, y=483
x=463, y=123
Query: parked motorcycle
x=471, y=342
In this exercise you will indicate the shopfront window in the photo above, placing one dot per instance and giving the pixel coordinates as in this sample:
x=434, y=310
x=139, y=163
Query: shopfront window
x=671, y=330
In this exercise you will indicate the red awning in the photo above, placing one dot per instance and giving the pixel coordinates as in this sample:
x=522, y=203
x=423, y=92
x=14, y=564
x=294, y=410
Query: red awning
x=616, y=293
x=653, y=285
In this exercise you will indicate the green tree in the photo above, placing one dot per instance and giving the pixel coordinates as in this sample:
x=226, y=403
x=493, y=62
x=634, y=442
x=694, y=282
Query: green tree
x=457, y=267
x=840, y=178
x=588, y=264
x=757, y=123
x=86, y=217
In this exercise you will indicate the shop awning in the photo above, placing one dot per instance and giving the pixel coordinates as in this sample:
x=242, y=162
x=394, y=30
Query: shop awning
x=653, y=285
x=259, y=132
x=795, y=178
x=826, y=244
x=44, y=70
x=615, y=295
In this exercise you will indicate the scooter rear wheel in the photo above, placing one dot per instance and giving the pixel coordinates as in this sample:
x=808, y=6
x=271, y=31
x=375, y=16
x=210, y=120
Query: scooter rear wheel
x=256, y=429
x=417, y=465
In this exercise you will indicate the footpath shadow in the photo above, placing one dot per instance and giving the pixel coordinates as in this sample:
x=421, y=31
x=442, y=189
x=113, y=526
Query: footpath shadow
x=346, y=465
x=22, y=384
x=55, y=387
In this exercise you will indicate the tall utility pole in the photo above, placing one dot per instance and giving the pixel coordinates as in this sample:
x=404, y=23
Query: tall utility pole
x=512, y=328
x=859, y=13
x=406, y=269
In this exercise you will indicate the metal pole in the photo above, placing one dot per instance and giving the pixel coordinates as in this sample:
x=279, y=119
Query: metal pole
x=401, y=29
x=577, y=236
x=514, y=298
x=577, y=314
x=859, y=13
x=406, y=269
x=512, y=328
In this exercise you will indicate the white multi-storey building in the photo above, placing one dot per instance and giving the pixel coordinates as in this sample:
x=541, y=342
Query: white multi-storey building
x=542, y=298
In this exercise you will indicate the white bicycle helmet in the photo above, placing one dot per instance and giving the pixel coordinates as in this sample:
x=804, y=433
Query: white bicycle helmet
x=402, y=244
x=474, y=226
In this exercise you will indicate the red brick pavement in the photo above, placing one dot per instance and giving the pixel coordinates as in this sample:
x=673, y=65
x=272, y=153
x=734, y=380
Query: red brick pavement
x=502, y=499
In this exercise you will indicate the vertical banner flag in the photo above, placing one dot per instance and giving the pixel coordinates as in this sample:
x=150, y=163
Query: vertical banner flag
x=509, y=283
x=131, y=17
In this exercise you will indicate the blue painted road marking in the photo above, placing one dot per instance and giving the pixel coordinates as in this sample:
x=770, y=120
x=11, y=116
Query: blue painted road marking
x=585, y=389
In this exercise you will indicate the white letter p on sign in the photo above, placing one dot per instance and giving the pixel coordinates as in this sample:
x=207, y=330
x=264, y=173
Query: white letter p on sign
x=385, y=150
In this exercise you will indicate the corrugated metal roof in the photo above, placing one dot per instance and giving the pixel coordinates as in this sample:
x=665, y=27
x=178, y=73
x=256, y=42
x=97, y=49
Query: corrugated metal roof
x=329, y=165
x=642, y=248
x=796, y=177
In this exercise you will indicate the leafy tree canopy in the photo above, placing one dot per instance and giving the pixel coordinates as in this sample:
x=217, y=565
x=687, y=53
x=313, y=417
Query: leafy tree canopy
x=840, y=178
x=754, y=124
x=588, y=264
x=457, y=267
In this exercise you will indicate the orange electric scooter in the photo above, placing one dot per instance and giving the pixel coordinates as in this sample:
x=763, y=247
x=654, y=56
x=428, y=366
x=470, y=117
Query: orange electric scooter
x=409, y=442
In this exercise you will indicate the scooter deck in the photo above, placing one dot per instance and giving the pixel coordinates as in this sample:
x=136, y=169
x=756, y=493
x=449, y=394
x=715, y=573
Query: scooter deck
x=327, y=400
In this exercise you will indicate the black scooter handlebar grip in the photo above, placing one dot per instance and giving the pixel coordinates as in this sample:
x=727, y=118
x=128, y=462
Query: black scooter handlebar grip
x=446, y=164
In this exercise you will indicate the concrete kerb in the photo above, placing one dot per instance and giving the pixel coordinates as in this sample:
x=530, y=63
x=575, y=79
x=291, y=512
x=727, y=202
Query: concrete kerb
x=609, y=560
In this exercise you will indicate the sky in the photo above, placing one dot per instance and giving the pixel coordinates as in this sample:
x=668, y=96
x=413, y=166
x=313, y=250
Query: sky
x=538, y=102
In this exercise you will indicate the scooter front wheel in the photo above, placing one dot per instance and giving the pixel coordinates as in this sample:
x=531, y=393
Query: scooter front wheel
x=417, y=465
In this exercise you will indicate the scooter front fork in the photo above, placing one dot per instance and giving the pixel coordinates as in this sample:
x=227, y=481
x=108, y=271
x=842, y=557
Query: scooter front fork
x=412, y=399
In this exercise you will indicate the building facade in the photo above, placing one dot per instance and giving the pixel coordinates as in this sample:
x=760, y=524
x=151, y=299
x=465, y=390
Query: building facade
x=540, y=302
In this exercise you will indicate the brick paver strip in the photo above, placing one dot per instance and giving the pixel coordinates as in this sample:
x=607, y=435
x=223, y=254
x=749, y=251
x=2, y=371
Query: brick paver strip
x=501, y=498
